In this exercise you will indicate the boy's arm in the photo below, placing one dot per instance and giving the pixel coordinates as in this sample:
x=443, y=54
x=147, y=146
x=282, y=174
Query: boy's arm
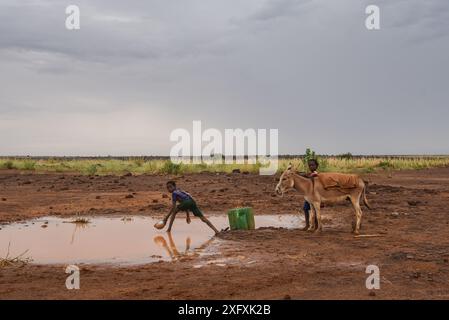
x=172, y=210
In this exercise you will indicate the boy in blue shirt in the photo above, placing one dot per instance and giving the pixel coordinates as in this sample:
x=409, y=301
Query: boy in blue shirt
x=186, y=203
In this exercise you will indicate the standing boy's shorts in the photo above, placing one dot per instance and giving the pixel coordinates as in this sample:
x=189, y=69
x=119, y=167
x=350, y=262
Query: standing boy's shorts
x=306, y=206
x=190, y=205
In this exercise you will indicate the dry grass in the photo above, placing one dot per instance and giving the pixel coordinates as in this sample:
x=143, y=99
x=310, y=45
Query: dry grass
x=79, y=221
x=15, y=261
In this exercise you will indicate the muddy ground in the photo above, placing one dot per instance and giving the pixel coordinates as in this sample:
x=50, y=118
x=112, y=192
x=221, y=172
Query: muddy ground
x=410, y=214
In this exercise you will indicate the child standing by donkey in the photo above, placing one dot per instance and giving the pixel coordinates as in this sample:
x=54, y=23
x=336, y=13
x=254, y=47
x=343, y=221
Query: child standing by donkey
x=313, y=167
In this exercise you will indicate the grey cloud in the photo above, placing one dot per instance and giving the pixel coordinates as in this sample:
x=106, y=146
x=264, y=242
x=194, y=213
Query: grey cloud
x=420, y=20
x=278, y=9
x=136, y=70
x=111, y=31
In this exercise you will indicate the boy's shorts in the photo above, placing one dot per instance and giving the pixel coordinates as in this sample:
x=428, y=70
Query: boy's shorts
x=190, y=205
x=306, y=206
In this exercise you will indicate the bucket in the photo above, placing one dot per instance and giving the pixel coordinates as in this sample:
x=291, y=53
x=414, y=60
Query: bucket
x=241, y=219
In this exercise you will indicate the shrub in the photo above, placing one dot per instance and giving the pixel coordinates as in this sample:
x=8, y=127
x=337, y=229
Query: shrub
x=385, y=164
x=171, y=168
x=309, y=155
x=92, y=169
x=8, y=165
x=139, y=162
x=29, y=165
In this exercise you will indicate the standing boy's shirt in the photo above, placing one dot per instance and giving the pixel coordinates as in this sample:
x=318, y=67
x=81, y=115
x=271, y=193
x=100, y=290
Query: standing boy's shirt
x=180, y=195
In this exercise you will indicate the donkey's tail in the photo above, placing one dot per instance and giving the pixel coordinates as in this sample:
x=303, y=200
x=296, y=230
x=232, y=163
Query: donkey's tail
x=365, y=201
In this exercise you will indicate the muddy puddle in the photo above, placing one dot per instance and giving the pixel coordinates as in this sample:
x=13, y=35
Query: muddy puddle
x=116, y=240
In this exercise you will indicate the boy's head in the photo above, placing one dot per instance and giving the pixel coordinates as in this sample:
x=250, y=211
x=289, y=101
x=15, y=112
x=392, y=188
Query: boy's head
x=313, y=164
x=171, y=186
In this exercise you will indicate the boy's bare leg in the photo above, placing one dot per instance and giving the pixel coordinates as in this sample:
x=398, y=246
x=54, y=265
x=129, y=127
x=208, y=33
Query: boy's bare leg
x=206, y=221
x=188, y=217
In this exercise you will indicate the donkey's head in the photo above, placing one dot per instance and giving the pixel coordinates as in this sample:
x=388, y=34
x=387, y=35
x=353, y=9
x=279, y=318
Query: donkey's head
x=286, y=181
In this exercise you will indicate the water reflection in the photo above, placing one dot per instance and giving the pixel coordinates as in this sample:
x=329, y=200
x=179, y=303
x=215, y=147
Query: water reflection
x=171, y=248
x=78, y=226
x=114, y=240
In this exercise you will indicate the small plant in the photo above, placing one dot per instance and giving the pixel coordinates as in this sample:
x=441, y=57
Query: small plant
x=8, y=261
x=171, y=168
x=310, y=154
x=92, y=169
x=385, y=164
x=29, y=165
x=139, y=162
x=8, y=165
x=79, y=220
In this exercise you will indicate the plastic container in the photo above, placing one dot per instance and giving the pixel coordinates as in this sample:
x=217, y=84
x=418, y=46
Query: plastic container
x=241, y=219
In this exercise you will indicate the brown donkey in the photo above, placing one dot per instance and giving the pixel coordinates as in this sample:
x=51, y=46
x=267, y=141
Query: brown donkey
x=315, y=193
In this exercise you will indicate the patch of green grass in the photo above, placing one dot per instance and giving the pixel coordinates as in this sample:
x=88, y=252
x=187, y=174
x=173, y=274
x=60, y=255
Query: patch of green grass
x=385, y=164
x=7, y=164
x=28, y=165
x=171, y=168
x=91, y=170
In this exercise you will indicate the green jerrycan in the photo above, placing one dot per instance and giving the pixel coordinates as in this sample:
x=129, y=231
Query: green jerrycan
x=241, y=219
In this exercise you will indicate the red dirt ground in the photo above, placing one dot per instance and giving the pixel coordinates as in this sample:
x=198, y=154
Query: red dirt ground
x=410, y=212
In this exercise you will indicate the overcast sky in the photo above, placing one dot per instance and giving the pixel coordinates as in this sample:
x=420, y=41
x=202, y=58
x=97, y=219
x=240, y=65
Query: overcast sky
x=136, y=70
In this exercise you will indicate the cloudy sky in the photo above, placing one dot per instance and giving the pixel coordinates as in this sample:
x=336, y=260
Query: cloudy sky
x=136, y=70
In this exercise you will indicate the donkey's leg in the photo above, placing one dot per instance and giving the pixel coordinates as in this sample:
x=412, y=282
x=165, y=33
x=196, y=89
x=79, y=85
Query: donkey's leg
x=359, y=219
x=312, y=218
x=358, y=214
